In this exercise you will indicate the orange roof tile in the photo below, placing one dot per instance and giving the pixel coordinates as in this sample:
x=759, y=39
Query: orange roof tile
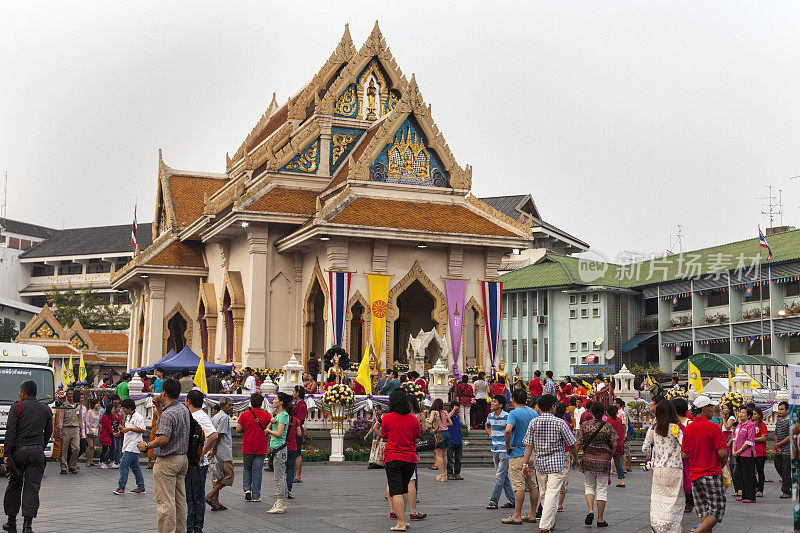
x=92, y=359
x=187, y=194
x=114, y=359
x=110, y=342
x=373, y=212
x=61, y=350
x=282, y=200
x=179, y=254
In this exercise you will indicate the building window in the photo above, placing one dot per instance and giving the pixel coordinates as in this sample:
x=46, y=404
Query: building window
x=584, y=298
x=584, y=313
x=573, y=313
x=573, y=347
x=573, y=299
x=595, y=311
x=534, y=350
x=524, y=302
x=514, y=351
x=524, y=350
x=754, y=297
x=546, y=351
x=544, y=304
x=534, y=309
x=513, y=303
x=596, y=297
x=684, y=304
x=504, y=307
x=651, y=306
x=584, y=346
x=42, y=270
x=13, y=242
x=717, y=298
x=573, y=360
x=69, y=269
x=792, y=288
x=794, y=344
x=122, y=298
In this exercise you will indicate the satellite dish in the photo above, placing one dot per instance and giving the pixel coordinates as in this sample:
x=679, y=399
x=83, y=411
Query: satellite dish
x=598, y=341
x=609, y=355
x=590, y=358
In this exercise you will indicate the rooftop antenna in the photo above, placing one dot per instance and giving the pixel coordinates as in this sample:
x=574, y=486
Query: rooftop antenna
x=5, y=196
x=677, y=242
x=772, y=205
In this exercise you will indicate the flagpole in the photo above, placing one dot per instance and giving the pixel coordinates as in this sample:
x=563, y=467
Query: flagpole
x=761, y=301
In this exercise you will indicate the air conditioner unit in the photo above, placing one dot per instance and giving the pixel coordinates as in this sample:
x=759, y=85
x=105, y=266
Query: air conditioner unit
x=541, y=319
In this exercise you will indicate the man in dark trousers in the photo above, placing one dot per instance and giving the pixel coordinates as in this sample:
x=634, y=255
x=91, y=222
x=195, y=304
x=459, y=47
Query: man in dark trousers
x=30, y=425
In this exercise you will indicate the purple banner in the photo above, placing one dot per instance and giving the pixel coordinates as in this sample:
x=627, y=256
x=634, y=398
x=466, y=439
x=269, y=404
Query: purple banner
x=455, y=291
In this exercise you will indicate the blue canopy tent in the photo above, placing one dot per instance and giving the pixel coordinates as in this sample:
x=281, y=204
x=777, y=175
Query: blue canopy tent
x=150, y=368
x=186, y=358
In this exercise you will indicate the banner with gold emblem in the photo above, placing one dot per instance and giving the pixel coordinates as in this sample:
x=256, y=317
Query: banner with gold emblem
x=378, y=298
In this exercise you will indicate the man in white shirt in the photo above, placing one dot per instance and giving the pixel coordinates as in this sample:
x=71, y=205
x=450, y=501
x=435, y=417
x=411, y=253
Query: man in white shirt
x=134, y=428
x=195, y=479
x=249, y=386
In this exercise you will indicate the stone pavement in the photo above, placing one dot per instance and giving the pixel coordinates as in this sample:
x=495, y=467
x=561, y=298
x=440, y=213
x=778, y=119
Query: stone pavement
x=350, y=498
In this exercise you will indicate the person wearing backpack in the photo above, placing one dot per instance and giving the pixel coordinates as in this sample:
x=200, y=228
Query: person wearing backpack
x=203, y=438
x=171, y=445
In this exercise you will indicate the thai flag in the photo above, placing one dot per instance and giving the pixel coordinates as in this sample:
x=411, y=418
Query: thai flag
x=134, y=228
x=492, y=300
x=339, y=283
x=762, y=241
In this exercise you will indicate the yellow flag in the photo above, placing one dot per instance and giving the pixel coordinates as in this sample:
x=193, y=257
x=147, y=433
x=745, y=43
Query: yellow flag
x=70, y=373
x=82, y=370
x=378, y=304
x=695, y=379
x=649, y=380
x=363, y=375
x=730, y=382
x=587, y=385
x=200, y=377
x=64, y=376
x=753, y=383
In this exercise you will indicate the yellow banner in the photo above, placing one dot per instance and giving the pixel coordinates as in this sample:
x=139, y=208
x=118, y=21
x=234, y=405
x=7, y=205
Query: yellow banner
x=753, y=383
x=200, y=377
x=82, y=369
x=363, y=375
x=695, y=379
x=378, y=304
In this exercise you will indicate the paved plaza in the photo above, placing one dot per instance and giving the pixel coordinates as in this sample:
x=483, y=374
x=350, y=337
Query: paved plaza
x=350, y=498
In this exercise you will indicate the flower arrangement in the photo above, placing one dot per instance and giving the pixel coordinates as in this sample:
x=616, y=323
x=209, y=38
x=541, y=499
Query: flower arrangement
x=314, y=455
x=471, y=370
x=734, y=398
x=671, y=394
x=274, y=373
x=356, y=452
x=338, y=394
x=401, y=368
x=360, y=427
x=414, y=390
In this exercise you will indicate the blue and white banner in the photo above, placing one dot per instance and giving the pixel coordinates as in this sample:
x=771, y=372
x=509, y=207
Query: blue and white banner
x=492, y=300
x=339, y=283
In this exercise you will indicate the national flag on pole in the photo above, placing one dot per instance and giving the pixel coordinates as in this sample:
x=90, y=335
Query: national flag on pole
x=200, y=377
x=748, y=289
x=82, y=369
x=339, y=283
x=363, y=375
x=134, y=229
x=492, y=302
x=762, y=241
x=695, y=379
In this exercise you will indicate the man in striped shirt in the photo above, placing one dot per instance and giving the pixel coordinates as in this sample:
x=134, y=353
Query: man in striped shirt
x=496, y=427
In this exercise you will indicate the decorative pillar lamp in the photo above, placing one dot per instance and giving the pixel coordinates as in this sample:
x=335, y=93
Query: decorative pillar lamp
x=135, y=385
x=741, y=384
x=268, y=388
x=439, y=385
x=623, y=384
x=292, y=374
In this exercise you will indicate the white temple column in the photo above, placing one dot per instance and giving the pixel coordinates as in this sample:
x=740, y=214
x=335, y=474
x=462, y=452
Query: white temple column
x=155, y=333
x=256, y=309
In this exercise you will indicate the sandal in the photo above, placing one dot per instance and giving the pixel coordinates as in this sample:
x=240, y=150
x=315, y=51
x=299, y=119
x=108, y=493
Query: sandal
x=620, y=485
x=602, y=524
x=560, y=509
x=510, y=521
x=529, y=520
x=492, y=506
x=589, y=519
x=396, y=528
x=508, y=505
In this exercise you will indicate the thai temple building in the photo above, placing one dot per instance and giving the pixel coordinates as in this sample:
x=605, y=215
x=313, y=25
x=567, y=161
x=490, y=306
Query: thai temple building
x=351, y=174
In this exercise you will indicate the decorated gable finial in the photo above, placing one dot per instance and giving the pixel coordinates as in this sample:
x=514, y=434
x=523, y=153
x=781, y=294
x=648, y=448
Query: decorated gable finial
x=345, y=50
x=273, y=105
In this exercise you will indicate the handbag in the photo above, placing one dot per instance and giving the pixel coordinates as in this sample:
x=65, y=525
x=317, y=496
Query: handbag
x=427, y=441
x=376, y=455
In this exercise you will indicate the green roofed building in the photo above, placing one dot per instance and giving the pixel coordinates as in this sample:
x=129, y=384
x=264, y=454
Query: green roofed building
x=563, y=313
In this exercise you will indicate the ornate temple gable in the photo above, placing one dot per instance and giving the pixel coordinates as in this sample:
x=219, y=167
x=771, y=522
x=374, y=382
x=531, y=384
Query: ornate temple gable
x=300, y=106
x=307, y=161
x=79, y=338
x=43, y=326
x=374, y=62
x=343, y=140
x=165, y=216
x=407, y=160
x=166, y=252
x=411, y=103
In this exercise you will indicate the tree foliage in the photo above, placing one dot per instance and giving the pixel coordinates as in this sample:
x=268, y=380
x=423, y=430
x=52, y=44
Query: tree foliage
x=86, y=306
x=8, y=331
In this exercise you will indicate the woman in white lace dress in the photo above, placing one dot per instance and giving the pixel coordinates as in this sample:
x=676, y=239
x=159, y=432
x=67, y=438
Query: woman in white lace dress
x=663, y=444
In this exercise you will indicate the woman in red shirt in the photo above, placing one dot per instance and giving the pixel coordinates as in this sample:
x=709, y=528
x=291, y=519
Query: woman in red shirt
x=761, y=448
x=400, y=429
x=251, y=425
x=616, y=423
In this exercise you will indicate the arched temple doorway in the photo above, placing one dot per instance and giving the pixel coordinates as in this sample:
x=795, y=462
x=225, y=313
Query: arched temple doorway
x=414, y=303
x=178, y=330
x=315, y=319
x=227, y=319
x=201, y=320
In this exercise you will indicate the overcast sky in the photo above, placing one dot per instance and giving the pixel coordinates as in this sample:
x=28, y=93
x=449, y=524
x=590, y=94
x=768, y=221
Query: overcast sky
x=622, y=119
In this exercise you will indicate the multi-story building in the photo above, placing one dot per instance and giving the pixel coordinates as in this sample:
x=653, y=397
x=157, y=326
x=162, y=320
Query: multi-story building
x=79, y=258
x=726, y=299
x=15, y=238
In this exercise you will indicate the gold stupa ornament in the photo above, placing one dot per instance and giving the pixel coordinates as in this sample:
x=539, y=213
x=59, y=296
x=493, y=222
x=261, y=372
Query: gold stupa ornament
x=408, y=157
